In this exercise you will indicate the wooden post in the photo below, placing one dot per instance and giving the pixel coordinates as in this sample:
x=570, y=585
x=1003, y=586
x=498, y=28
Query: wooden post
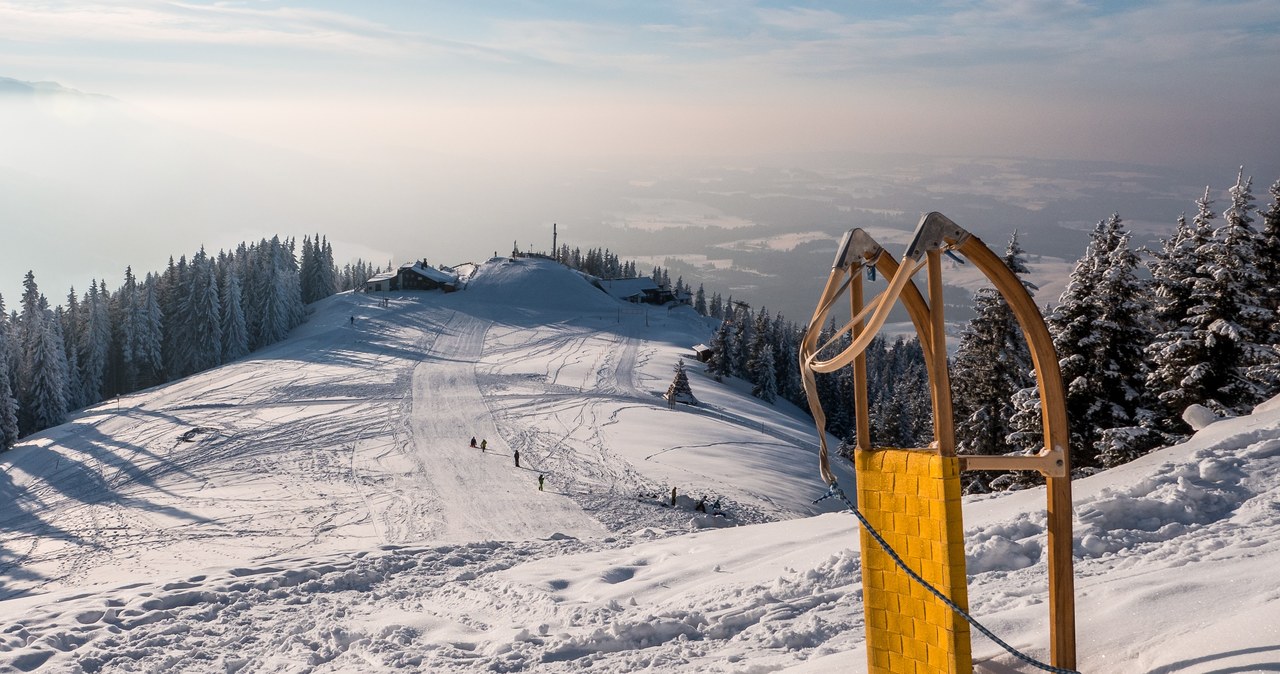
x=944, y=432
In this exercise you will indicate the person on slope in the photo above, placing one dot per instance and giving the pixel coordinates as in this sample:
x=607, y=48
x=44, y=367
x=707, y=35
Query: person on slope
x=484, y=444
x=517, y=455
x=473, y=441
x=540, y=479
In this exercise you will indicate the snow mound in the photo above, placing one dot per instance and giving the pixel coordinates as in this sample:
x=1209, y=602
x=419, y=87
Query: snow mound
x=1198, y=416
x=531, y=282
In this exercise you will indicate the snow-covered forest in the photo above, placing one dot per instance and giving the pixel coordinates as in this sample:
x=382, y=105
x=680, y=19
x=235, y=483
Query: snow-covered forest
x=196, y=314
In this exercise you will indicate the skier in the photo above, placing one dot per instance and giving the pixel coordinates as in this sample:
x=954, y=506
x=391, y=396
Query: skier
x=484, y=444
x=673, y=497
x=517, y=455
x=353, y=320
x=540, y=478
x=473, y=441
x=702, y=505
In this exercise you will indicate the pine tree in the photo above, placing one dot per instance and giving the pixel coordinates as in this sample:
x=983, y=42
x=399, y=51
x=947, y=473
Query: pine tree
x=95, y=344
x=128, y=329
x=72, y=321
x=1223, y=348
x=8, y=407
x=1098, y=332
x=175, y=288
x=679, y=390
x=73, y=389
x=148, y=352
x=42, y=369
x=720, y=363
x=1269, y=253
x=1174, y=352
x=700, y=301
x=759, y=366
x=992, y=363
x=235, y=336
x=202, y=315
x=8, y=403
x=766, y=388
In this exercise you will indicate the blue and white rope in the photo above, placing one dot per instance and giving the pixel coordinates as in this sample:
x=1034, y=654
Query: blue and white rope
x=836, y=491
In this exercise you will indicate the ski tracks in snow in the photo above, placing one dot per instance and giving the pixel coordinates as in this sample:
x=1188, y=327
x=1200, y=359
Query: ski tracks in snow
x=482, y=495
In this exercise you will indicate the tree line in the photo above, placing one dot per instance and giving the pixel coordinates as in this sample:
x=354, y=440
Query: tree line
x=196, y=314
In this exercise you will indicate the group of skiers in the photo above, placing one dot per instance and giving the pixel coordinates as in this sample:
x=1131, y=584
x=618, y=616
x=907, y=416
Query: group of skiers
x=484, y=445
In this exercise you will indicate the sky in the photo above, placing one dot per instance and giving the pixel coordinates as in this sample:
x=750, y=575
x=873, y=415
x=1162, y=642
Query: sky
x=415, y=113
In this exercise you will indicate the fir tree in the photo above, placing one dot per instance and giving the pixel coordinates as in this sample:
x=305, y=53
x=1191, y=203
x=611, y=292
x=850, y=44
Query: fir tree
x=759, y=366
x=1174, y=352
x=679, y=390
x=202, y=315
x=1229, y=318
x=1099, y=335
x=126, y=326
x=700, y=301
x=72, y=321
x=992, y=363
x=719, y=365
x=766, y=388
x=235, y=336
x=42, y=370
x=148, y=352
x=8, y=403
x=95, y=344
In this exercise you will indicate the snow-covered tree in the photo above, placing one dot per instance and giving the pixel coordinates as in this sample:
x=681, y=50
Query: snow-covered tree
x=766, y=387
x=679, y=390
x=202, y=315
x=42, y=368
x=71, y=320
x=720, y=365
x=1175, y=381
x=1219, y=351
x=148, y=351
x=759, y=366
x=700, y=301
x=235, y=336
x=1099, y=331
x=95, y=344
x=992, y=362
x=8, y=403
x=1269, y=253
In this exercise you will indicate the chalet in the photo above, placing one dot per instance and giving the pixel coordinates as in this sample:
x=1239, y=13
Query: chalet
x=639, y=290
x=416, y=275
x=702, y=352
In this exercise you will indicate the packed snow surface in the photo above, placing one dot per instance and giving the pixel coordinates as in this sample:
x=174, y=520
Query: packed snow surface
x=318, y=507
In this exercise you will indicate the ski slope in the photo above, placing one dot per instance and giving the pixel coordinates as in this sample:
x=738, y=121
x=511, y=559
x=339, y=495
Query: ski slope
x=317, y=508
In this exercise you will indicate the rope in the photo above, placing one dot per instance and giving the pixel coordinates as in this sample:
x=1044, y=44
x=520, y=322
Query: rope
x=836, y=491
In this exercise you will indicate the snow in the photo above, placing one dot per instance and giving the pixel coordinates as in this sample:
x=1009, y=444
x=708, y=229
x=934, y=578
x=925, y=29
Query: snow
x=1198, y=416
x=317, y=507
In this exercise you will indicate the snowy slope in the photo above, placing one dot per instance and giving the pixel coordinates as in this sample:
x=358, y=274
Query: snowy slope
x=327, y=514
